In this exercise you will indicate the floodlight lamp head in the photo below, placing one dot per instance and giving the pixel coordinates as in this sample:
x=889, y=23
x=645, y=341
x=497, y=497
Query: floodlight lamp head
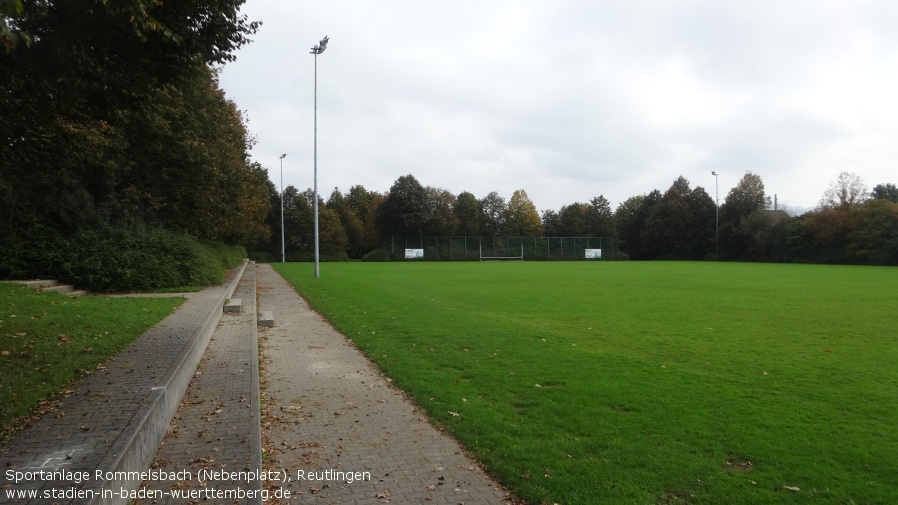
x=322, y=45
x=713, y=173
x=283, y=156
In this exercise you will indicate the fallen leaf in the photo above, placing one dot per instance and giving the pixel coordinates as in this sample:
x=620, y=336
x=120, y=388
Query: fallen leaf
x=4, y=353
x=792, y=488
x=453, y=414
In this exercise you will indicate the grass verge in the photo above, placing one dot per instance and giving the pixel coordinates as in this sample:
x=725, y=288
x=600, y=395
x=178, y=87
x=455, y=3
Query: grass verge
x=48, y=340
x=582, y=383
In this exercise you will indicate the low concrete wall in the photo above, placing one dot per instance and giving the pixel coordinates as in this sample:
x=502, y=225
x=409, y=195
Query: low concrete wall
x=134, y=450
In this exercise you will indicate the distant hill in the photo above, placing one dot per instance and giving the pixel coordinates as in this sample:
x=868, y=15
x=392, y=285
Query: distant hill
x=795, y=210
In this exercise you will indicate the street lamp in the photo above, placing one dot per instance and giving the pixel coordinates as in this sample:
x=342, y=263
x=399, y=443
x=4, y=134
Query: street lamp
x=322, y=45
x=716, y=215
x=282, y=206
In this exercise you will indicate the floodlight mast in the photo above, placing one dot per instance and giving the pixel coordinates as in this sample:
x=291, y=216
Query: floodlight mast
x=282, y=207
x=716, y=215
x=322, y=45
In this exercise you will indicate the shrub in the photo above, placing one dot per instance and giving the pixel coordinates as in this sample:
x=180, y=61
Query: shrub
x=116, y=259
x=377, y=255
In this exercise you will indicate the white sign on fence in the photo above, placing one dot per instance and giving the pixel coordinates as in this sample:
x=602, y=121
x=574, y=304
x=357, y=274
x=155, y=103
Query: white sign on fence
x=594, y=254
x=411, y=254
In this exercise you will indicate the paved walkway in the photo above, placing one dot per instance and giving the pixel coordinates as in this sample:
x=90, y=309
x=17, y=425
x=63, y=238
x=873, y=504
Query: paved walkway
x=333, y=428
x=338, y=428
x=116, y=417
x=215, y=434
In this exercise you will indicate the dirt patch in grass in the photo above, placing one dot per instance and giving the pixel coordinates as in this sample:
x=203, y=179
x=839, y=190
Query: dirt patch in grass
x=737, y=465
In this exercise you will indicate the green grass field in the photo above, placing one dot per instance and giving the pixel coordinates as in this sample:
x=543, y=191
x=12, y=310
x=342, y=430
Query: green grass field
x=644, y=383
x=48, y=340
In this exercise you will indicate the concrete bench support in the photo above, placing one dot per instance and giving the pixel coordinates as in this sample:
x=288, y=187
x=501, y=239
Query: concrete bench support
x=233, y=305
x=266, y=319
x=59, y=288
x=37, y=284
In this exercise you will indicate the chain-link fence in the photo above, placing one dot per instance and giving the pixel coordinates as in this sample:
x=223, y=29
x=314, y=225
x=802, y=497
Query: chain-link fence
x=485, y=248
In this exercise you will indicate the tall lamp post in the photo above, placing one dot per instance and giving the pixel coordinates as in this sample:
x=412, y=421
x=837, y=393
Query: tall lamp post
x=282, y=206
x=716, y=216
x=322, y=45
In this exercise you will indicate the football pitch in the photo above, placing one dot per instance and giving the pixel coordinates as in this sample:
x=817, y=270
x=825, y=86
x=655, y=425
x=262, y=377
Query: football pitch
x=641, y=382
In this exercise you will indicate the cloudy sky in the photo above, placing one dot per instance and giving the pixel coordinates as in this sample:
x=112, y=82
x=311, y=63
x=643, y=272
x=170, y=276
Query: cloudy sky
x=573, y=99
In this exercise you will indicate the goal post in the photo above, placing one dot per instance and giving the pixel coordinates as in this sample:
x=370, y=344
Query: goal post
x=501, y=258
x=501, y=248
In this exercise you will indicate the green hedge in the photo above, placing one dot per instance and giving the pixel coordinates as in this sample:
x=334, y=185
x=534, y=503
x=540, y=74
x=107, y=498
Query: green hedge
x=111, y=259
x=377, y=255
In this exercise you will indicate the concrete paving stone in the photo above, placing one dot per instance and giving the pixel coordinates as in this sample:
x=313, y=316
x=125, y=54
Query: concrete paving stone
x=89, y=440
x=216, y=426
x=328, y=402
x=327, y=409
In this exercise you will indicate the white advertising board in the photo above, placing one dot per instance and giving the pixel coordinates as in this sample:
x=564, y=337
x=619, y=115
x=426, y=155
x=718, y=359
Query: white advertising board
x=593, y=254
x=411, y=254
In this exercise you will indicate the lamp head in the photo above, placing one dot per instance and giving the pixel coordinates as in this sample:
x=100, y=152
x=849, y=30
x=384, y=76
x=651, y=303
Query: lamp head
x=714, y=173
x=283, y=156
x=322, y=45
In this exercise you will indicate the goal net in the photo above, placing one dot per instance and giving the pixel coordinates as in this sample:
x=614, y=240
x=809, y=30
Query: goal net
x=502, y=258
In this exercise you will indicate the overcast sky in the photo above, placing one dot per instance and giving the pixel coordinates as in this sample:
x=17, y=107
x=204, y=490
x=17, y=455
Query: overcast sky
x=573, y=99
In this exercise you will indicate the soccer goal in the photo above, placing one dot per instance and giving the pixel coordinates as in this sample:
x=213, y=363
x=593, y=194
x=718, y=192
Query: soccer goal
x=502, y=258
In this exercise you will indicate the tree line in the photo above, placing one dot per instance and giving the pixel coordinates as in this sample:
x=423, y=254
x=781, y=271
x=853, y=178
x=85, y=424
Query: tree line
x=122, y=164
x=115, y=136
x=850, y=225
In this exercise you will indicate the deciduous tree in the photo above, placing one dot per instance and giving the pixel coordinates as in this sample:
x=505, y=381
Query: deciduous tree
x=364, y=205
x=551, y=224
x=521, y=217
x=873, y=237
x=846, y=192
x=600, y=219
x=885, y=192
x=573, y=220
x=627, y=224
x=469, y=213
x=352, y=225
x=404, y=210
x=681, y=224
x=111, y=117
x=494, y=210
x=441, y=220
x=744, y=224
